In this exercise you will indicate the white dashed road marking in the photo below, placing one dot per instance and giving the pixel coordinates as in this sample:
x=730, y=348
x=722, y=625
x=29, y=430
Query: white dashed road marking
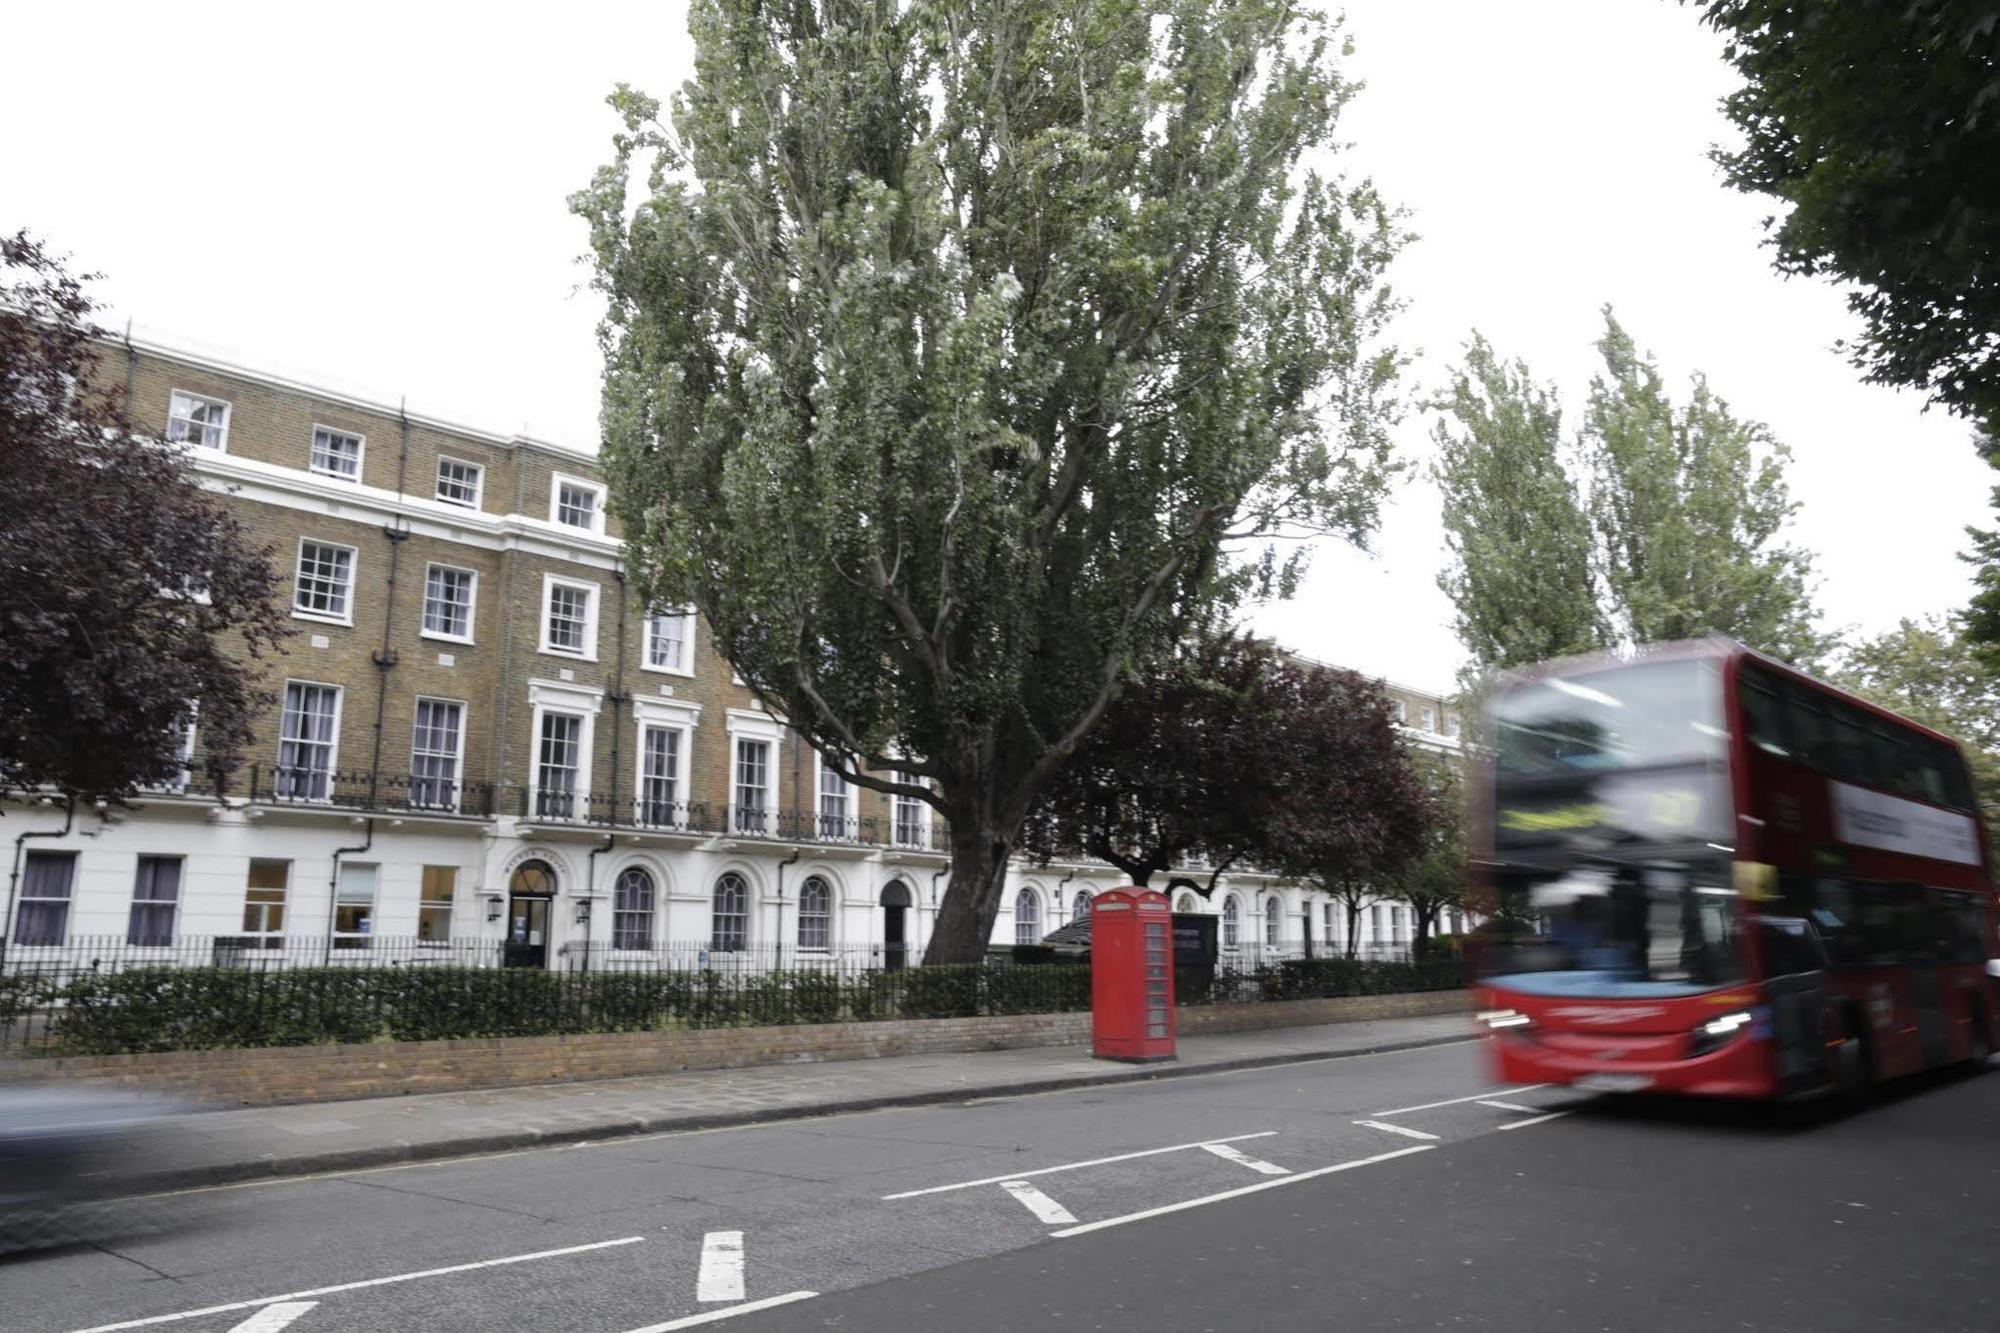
x=1508, y=1106
x=1240, y=1191
x=1538, y=1120
x=1038, y=1203
x=1076, y=1166
x=717, y=1316
x=1455, y=1101
x=357, y=1286
x=1229, y=1154
x=721, y=1277
x=1404, y=1130
x=274, y=1317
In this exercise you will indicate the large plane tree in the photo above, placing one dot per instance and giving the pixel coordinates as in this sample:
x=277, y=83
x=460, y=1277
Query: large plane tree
x=962, y=357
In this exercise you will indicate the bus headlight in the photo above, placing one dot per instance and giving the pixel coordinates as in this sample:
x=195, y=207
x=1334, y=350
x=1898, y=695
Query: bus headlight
x=1496, y=1019
x=1717, y=1032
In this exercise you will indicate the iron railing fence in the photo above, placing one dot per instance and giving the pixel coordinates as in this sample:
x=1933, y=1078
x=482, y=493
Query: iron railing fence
x=137, y=999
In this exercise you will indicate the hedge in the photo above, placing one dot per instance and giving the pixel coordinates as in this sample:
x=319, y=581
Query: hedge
x=207, y=1008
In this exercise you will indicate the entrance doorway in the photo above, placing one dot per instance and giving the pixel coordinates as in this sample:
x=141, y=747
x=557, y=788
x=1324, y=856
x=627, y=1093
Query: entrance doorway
x=530, y=892
x=895, y=925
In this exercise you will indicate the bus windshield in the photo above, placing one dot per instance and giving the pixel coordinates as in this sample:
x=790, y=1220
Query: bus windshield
x=1609, y=930
x=1642, y=715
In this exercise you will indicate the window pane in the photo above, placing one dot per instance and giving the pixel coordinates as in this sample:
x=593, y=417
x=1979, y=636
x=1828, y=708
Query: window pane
x=458, y=483
x=557, y=766
x=42, y=916
x=632, y=910
x=336, y=454
x=659, y=781
x=305, y=749
x=448, y=601
x=731, y=913
x=569, y=618
x=666, y=640
x=326, y=574
x=434, y=754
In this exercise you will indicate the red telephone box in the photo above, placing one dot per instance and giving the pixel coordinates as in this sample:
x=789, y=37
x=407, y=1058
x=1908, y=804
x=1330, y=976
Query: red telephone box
x=1131, y=976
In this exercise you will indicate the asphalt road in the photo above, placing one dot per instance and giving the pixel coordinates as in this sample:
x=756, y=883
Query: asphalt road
x=1377, y=1192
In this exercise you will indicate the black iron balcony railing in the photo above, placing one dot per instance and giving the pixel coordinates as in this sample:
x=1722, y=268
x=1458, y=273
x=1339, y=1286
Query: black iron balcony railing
x=395, y=793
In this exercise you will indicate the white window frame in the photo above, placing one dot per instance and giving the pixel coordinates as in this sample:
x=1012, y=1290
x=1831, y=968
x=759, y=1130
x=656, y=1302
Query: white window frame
x=360, y=453
x=579, y=786
x=743, y=938
x=897, y=804
x=848, y=815
x=745, y=818
x=663, y=715
x=1027, y=930
x=173, y=904
x=174, y=400
x=675, y=797
x=1274, y=922
x=478, y=483
x=456, y=777
x=357, y=939
x=332, y=749
x=559, y=480
x=544, y=698
x=424, y=904
x=1428, y=713
x=1401, y=711
x=1232, y=922
x=799, y=930
x=424, y=629
x=686, y=664
x=550, y=582
x=346, y=616
x=266, y=936
x=655, y=896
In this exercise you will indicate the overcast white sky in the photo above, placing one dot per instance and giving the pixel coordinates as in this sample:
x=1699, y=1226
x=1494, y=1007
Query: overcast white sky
x=374, y=199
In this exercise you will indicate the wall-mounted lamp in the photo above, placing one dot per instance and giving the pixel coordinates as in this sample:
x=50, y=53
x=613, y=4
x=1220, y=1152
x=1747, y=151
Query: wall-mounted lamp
x=494, y=902
x=583, y=911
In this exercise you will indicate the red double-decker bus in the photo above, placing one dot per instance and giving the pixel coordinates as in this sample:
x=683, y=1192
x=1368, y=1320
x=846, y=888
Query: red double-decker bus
x=1707, y=873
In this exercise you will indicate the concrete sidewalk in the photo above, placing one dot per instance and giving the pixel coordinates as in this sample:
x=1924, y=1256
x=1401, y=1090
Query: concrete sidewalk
x=218, y=1147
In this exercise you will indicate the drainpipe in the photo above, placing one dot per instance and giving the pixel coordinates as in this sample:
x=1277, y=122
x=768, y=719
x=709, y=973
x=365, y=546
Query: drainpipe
x=617, y=699
x=385, y=657
x=333, y=886
x=1062, y=899
x=131, y=365
x=778, y=957
x=13, y=880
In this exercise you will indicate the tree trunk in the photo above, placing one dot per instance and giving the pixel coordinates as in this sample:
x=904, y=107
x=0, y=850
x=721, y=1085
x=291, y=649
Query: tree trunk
x=1353, y=910
x=980, y=849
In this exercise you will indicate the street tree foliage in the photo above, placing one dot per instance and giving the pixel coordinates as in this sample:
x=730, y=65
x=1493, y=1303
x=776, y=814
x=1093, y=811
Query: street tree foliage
x=1366, y=815
x=961, y=357
x=131, y=601
x=1932, y=672
x=1434, y=880
x=1876, y=128
x=1218, y=753
x=1663, y=520
x=1981, y=625
x=1519, y=543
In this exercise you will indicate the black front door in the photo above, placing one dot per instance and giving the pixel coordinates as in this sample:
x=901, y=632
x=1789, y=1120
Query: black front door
x=527, y=931
x=895, y=946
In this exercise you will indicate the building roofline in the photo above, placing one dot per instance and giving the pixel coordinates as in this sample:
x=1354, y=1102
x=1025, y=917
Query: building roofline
x=185, y=353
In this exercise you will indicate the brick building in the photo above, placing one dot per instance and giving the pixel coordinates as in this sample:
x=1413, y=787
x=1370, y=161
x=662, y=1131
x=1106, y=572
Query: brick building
x=483, y=743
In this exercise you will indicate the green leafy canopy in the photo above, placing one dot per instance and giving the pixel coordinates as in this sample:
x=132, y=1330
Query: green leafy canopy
x=960, y=357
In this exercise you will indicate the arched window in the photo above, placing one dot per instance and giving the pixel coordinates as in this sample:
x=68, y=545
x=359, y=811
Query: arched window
x=1080, y=910
x=1185, y=904
x=632, y=910
x=1232, y=921
x=815, y=913
x=732, y=914
x=1273, y=915
x=1027, y=917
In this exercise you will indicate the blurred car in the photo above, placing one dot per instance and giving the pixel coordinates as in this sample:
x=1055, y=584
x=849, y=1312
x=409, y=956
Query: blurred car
x=59, y=1149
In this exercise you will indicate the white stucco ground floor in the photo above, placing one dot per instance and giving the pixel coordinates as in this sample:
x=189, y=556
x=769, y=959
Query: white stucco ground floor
x=195, y=881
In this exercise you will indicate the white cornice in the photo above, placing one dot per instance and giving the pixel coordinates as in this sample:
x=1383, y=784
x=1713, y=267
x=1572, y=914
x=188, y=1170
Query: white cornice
x=289, y=488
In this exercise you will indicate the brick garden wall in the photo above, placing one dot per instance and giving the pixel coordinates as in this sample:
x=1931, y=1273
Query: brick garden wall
x=274, y=1075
